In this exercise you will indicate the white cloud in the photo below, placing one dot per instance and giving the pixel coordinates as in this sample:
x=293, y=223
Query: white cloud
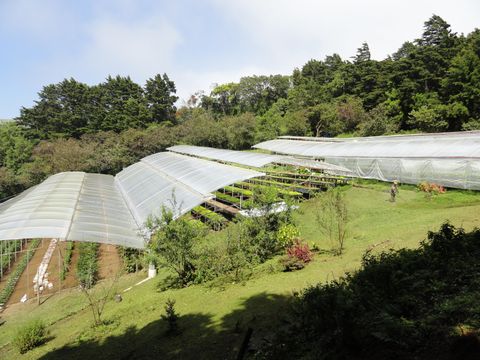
x=287, y=33
x=139, y=48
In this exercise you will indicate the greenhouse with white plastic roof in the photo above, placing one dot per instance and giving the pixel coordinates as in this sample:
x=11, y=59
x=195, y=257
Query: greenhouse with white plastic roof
x=448, y=159
x=106, y=209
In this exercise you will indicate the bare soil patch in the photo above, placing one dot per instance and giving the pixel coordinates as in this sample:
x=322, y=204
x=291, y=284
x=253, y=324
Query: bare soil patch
x=109, y=261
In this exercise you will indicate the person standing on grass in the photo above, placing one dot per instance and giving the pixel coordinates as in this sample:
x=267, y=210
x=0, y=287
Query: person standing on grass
x=394, y=191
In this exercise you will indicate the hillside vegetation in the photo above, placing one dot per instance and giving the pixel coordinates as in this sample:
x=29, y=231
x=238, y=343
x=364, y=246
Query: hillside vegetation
x=214, y=317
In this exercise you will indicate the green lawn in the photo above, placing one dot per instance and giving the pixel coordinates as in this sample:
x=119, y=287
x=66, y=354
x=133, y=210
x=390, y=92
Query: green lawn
x=214, y=320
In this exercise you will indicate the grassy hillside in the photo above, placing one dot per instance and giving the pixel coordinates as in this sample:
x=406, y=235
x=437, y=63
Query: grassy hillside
x=214, y=320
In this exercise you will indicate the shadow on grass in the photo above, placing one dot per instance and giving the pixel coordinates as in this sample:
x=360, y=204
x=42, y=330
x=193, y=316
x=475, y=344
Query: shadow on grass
x=200, y=337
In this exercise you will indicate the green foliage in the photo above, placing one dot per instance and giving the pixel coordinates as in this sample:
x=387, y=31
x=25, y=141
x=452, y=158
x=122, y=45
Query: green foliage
x=30, y=336
x=401, y=304
x=67, y=259
x=224, y=262
x=245, y=204
x=14, y=276
x=214, y=219
x=255, y=94
x=87, y=266
x=7, y=253
x=15, y=149
x=286, y=234
x=159, y=94
x=132, y=259
x=71, y=109
x=171, y=317
x=332, y=218
x=173, y=242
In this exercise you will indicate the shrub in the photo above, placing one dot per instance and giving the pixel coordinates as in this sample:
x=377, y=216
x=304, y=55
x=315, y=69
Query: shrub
x=225, y=262
x=30, y=336
x=431, y=188
x=286, y=234
x=171, y=317
x=298, y=255
x=132, y=259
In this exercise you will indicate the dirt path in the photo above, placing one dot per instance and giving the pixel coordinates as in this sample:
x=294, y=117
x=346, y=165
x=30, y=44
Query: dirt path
x=25, y=283
x=109, y=261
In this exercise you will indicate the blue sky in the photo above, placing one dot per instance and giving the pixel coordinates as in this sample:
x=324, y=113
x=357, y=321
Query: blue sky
x=197, y=43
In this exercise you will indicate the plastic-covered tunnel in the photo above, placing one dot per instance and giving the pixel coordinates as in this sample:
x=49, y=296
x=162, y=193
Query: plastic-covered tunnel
x=102, y=208
x=448, y=159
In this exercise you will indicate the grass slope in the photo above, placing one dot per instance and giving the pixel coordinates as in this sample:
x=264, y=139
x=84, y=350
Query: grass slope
x=214, y=320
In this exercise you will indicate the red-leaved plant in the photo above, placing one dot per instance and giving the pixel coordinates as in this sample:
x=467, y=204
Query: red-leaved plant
x=300, y=251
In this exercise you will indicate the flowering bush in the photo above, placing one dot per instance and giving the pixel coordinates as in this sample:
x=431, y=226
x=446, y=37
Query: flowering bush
x=298, y=255
x=431, y=188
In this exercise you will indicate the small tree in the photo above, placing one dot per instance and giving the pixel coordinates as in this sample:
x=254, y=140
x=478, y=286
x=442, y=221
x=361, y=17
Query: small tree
x=332, y=218
x=259, y=234
x=98, y=297
x=173, y=242
x=171, y=317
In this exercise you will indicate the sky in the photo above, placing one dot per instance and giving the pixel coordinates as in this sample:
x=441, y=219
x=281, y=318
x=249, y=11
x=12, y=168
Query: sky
x=198, y=43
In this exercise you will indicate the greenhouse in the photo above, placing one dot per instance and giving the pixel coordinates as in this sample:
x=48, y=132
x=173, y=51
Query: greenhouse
x=106, y=209
x=449, y=159
x=255, y=159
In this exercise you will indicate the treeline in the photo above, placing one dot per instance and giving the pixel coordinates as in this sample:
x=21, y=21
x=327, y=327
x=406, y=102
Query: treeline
x=71, y=108
x=431, y=84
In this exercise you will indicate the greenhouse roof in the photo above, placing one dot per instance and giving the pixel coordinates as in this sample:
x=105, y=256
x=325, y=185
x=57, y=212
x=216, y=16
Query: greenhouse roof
x=100, y=208
x=255, y=159
x=448, y=159
x=419, y=136
x=408, y=147
x=70, y=206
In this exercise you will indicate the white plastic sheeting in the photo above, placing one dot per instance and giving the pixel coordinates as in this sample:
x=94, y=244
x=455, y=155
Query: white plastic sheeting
x=101, y=208
x=451, y=159
x=317, y=165
x=200, y=175
x=146, y=191
x=429, y=136
x=71, y=206
x=254, y=159
x=238, y=157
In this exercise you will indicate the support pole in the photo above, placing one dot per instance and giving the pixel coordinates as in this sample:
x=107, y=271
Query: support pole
x=59, y=268
x=28, y=271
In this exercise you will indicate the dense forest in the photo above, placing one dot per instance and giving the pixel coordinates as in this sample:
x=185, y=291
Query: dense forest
x=431, y=84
